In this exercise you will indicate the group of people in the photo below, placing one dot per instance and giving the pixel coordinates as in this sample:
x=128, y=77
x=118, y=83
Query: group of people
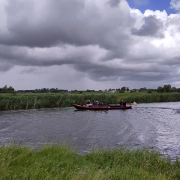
x=122, y=103
x=95, y=103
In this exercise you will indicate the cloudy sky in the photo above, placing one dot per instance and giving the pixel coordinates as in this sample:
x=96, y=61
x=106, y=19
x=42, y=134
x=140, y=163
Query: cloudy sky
x=89, y=44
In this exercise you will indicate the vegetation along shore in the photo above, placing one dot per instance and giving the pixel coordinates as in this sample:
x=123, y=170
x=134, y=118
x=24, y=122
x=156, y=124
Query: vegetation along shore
x=59, y=162
x=47, y=98
x=12, y=101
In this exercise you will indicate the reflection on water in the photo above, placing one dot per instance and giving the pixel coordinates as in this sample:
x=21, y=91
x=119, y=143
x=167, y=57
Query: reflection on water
x=154, y=125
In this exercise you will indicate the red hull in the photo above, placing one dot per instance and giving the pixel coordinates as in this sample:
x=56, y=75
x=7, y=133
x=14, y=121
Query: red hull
x=104, y=107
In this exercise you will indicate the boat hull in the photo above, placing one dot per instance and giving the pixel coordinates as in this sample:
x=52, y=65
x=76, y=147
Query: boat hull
x=101, y=107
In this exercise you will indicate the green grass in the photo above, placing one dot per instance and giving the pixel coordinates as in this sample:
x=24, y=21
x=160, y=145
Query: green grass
x=59, y=162
x=48, y=100
x=144, y=97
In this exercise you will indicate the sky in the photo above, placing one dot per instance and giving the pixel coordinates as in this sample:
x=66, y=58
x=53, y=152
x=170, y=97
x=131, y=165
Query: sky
x=85, y=44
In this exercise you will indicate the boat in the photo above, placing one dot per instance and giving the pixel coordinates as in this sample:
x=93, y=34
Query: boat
x=101, y=107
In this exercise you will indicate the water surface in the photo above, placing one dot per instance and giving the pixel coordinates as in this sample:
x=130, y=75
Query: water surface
x=154, y=125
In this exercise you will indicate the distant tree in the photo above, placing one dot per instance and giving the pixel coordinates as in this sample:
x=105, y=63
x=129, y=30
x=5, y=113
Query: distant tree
x=167, y=88
x=53, y=90
x=173, y=89
x=149, y=91
x=118, y=90
x=160, y=89
x=142, y=89
x=11, y=89
x=133, y=90
x=5, y=87
x=123, y=89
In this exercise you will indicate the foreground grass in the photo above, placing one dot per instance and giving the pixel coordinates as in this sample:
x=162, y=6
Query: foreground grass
x=58, y=162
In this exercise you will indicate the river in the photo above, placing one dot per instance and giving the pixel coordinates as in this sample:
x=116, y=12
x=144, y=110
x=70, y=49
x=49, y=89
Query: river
x=152, y=125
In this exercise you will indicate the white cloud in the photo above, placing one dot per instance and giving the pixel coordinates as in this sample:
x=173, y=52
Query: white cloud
x=175, y=4
x=83, y=44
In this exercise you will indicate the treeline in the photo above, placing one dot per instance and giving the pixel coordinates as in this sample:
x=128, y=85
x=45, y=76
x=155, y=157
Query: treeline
x=43, y=90
x=167, y=88
x=6, y=89
x=161, y=89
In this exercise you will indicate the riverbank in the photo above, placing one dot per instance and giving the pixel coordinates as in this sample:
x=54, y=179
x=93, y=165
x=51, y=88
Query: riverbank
x=59, y=162
x=13, y=101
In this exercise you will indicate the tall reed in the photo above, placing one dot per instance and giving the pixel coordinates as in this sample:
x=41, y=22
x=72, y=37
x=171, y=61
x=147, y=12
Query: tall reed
x=28, y=101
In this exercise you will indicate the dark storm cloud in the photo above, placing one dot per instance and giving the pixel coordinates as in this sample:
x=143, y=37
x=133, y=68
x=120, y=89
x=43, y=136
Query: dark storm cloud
x=57, y=23
x=114, y=2
x=140, y=72
x=173, y=61
x=28, y=71
x=144, y=76
x=51, y=23
x=25, y=57
x=46, y=24
x=151, y=27
x=4, y=67
x=99, y=39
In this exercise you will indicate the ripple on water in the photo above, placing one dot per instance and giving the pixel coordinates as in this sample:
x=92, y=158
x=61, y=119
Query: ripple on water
x=153, y=125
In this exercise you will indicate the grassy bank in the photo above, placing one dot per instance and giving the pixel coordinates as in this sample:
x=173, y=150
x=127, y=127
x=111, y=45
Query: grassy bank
x=39, y=100
x=58, y=162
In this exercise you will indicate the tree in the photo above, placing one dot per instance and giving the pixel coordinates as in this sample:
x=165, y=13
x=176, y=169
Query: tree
x=123, y=89
x=142, y=89
x=5, y=87
x=149, y=91
x=10, y=88
x=167, y=88
x=160, y=89
x=173, y=89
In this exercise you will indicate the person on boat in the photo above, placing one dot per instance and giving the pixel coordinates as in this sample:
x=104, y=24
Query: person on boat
x=100, y=104
x=121, y=103
x=94, y=103
x=134, y=103
x=124, y=103
x=97, y=103
x=88, y=103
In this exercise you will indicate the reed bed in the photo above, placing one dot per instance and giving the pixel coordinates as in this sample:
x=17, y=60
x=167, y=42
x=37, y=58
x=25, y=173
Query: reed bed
x=47, y=100
x=59, y=162
x=144, y=97
x=29, y=101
